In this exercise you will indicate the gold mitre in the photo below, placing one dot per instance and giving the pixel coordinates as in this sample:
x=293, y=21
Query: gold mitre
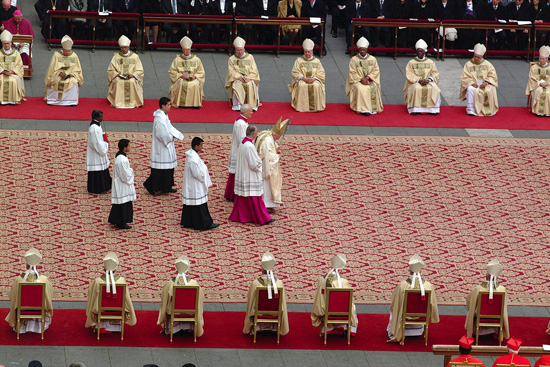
x=268, y=261
x=110, y=261
x=494, y=267
x=124, y=41
x=6, y=36
x=338, y=261
x=280, y=126
x=416, y=264
x=67, y=42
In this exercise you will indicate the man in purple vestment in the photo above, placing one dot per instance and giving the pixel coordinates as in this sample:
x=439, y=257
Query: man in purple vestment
x=19, y=25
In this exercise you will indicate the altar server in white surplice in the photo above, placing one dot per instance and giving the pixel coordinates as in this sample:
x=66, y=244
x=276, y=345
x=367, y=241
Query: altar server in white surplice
x=196, y=181
x=239, y=132
x=97, y=161
x=123, y=192
x=163, y=151
x=32, y=258
x=182, y=267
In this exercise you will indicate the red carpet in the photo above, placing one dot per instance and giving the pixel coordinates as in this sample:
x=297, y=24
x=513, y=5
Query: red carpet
x=336, y=114
x=224, y=330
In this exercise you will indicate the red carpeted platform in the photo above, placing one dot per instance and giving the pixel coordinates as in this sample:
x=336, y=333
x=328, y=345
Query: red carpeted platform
x=224, y=330
x=336, y=114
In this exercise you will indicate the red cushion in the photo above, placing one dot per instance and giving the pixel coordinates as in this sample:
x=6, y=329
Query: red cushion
x=337, y=318
x=185, y=298
x=31, y=313
x=111, y=313
x=268, y=317
x=180, y=316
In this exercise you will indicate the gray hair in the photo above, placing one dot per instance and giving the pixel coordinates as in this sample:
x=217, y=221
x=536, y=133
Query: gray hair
x=251, y=130
x=245, y=108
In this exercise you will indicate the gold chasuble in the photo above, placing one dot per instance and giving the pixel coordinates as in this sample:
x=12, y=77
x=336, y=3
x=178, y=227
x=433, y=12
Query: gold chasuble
x=123, y=91
x=485, y=99
x=540, y=97
x=308, y=97
x=364, y=98
x=238, y=67
x=12, y=89
x=60, y=63
x=184, y=90
x=417, y=95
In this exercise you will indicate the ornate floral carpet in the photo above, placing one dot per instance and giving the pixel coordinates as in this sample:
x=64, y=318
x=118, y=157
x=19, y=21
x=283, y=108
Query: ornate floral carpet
x=458, y=202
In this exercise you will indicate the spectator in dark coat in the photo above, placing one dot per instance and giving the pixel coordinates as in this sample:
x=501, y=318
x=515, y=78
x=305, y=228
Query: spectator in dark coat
x=496, y=11
x=59, y=27
x=518, y=10
x=318, y=9
x=356, y=9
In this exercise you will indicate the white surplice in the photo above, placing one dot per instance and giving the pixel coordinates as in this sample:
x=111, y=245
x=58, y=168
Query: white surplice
x=123, y=189
x=196, y=180
x=163, y=151
x=96, y=153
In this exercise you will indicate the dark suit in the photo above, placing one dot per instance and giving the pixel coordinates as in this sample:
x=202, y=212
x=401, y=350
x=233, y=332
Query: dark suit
x=424, y=10
x=59, y=27
x=447, y=12
x=174, y=31
x=352, y=11
x=386, y=10
x=220, y=32
x=318, y=10
x=338, y=15
x=125, y=27
x=267, y=34
x=496, y=40
x=518, y=40
x=403, y=10
x=246, y=8
x=103, y=30
x=467, y=38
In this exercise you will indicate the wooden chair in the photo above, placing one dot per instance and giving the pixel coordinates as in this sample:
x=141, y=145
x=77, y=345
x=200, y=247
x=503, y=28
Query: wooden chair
x=184, y=308
x=268, y=310
x=27, y=69
x=31, y=303
x=464, y=364
x=417, y=310
x=111, y=307
x=489, y=312
x=339, y=304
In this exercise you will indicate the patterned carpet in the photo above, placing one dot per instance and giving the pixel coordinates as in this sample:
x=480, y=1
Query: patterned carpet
x=458, y=202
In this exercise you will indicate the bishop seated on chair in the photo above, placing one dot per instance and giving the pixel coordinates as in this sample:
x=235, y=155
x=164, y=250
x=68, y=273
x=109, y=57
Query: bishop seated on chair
x=32, y=258
x=167, y=297
x=275, y=289
x=111, y=280
x=395, y=330
x=333, y=279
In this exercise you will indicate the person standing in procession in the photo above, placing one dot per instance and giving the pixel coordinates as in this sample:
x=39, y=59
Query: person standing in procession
x=163, y=151
x=97, y=162
x=239, y=133
x=196, y=181
x=249, y=188
x=124, y=192
x=266, y=145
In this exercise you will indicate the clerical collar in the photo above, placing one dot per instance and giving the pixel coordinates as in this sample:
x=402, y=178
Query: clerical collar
x=244, y=118
x=545, y=65
x=9, y=52
x=95, y=122
x=243, y=56
x=366, y=55
x=246, y=138
x=187, y=57
x=421, y=59
x=311, y=58
x=120, y=152
x=126, y=54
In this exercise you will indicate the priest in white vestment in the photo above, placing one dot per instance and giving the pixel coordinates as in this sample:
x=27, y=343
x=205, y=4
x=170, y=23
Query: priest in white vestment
x=275, y=289
x=32, y=258
x=163, y=151
x=187, y=78
x=167, y=294
x=242, y=78
x=333, y=279
x=494, y=267
x=110, y=279
x=396, y=334
x=266, y=145
x=196, y=181
x=12, y=89
x=123, y=193
x=64, y=76
x=421, y=90
x=97, y=160
x=125, y=77
x=249, y=188
x=239, y=133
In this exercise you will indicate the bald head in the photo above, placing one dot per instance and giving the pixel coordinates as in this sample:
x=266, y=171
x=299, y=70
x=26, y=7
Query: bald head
x=6, y=4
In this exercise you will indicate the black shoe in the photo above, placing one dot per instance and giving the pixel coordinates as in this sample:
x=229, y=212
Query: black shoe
x=334, y=34
x=123, y=226
x=271, y=221
x=347, y=51
x=324, y=51
x=149, y=191
x=212, y=226
x=172, y=190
